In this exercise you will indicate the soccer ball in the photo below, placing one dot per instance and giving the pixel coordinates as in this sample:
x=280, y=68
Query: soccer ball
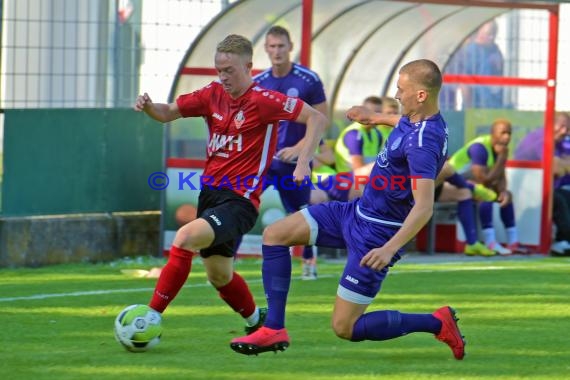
x=138, y=328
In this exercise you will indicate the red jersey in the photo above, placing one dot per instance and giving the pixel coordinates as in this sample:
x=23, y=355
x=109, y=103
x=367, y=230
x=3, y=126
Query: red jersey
x=242, y=134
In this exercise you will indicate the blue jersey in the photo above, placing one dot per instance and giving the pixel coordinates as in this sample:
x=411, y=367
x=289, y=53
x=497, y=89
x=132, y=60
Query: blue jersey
x=300, y=82
x=413, y=149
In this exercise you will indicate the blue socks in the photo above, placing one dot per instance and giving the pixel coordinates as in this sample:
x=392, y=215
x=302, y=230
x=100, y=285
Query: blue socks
x=308, y=252
x=276, y=270
x=466, y=216
x=388, y=324
x=508, y=215
x=486, y=214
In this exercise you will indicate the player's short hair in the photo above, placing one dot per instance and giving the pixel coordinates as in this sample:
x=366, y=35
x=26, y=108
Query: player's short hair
x=376, y=100
x=425, y=73
x=236, y=44
x=277, y=30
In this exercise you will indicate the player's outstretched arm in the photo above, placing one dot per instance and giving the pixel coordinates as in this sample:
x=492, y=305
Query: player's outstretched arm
x=158, y=111
x=363, y=115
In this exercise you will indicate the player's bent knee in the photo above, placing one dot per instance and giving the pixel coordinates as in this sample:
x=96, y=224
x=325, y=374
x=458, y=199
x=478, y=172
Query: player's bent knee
x=279, y=233
x=273, y=235
x=342, y=329
x=188, y=239
x=219, y=280
x=195, y=235
x=290, y=231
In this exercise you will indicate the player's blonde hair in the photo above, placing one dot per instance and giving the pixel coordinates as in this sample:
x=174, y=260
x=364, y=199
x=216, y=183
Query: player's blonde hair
x=236, y=44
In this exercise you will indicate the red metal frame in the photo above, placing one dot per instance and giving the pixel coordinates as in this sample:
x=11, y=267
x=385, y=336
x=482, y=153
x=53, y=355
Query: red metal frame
x=185, y=163
x=547, y=184
x=306, y=33
x=493, y=80
x=492, y=4
x=524, y=164
x=549, y=85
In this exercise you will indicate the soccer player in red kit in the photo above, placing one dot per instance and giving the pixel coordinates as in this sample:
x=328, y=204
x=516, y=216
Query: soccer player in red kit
x=242, y=120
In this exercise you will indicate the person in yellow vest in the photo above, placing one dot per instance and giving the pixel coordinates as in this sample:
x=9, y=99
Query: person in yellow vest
x=483, y=160
x=359, y=144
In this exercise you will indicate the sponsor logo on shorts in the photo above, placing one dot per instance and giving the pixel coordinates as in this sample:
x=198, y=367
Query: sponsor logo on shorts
x=216, y=220
x=351, y=279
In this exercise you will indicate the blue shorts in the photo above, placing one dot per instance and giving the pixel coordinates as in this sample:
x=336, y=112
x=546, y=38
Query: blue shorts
x=293, y=197
x=341, y=225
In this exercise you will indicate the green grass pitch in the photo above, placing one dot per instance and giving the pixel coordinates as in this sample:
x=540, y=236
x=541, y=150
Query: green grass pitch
x=57, y=323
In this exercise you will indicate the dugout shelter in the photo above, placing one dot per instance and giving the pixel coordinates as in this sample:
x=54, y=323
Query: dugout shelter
x=357, y=48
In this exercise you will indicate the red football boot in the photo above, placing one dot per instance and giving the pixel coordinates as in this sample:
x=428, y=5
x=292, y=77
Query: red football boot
x=450, y=333
x=263, y=340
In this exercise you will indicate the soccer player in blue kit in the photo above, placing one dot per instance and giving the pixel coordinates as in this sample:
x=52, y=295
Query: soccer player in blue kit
x=290, y=79
x=373, y=228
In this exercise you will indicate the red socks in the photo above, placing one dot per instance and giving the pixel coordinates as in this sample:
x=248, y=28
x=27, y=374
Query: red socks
x=172, y=278
x=175, y=273
x=236, y=294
